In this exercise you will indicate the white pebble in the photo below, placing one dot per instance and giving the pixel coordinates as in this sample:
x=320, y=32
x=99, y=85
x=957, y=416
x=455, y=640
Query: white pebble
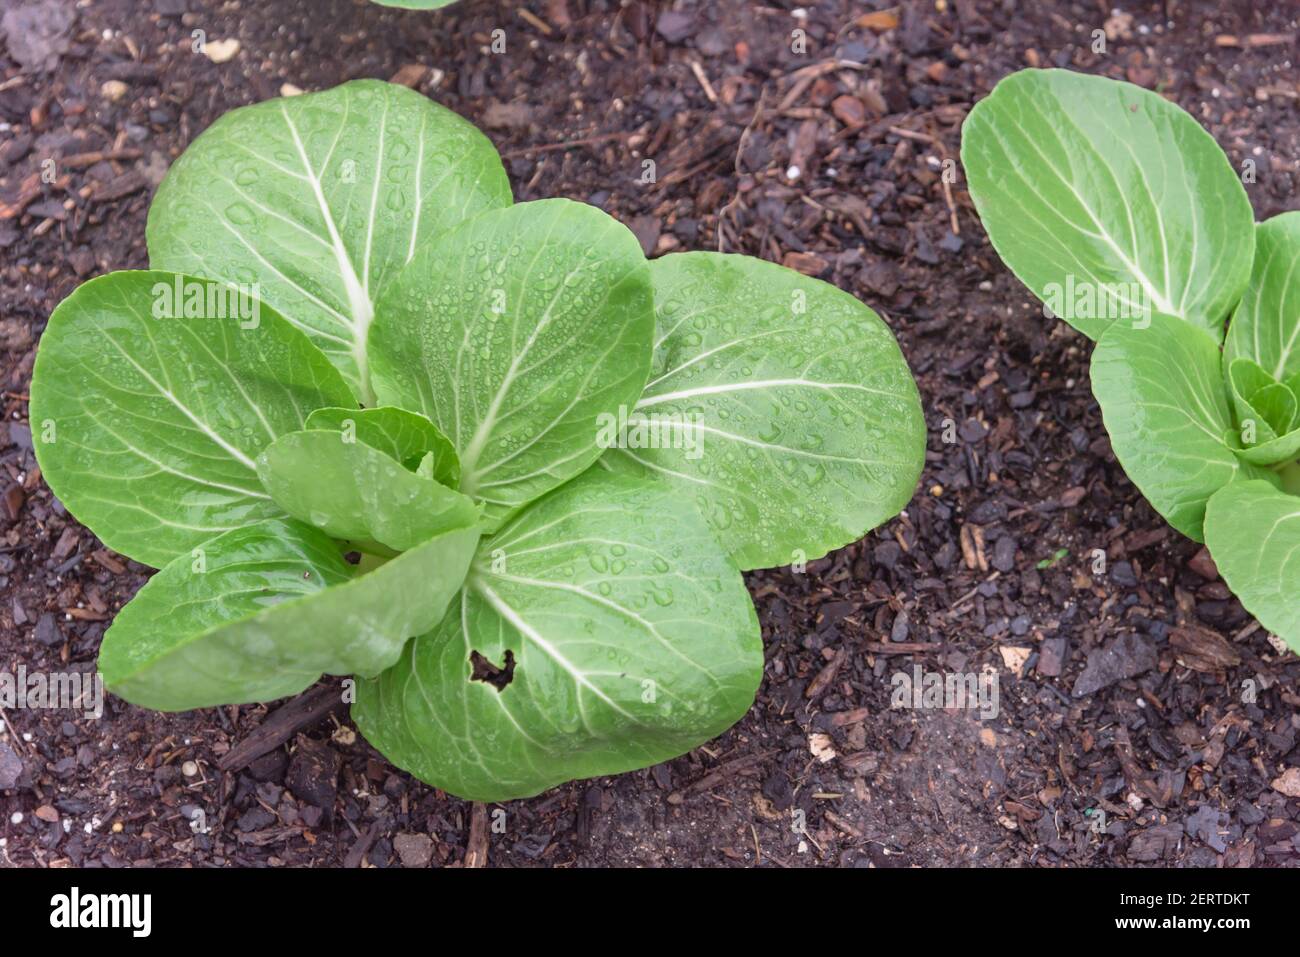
x=221, y=51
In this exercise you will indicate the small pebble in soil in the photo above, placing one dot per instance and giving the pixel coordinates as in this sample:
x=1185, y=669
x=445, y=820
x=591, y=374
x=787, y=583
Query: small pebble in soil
x=1122, y=574
x=900, y=630
x=221, y=51
x=414, y=850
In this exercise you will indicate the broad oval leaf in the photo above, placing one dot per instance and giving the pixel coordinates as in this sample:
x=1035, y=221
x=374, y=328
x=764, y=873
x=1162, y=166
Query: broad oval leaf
x=545, y=323
x=320, y=199
x=147, y=421
x=406, y=436
x=1091, y=185
x=601, y=630
x=1266, y=324
x=1164, y=403
x=1253, y=532
x=781, y=405
x=263, y=611
x=356, y=493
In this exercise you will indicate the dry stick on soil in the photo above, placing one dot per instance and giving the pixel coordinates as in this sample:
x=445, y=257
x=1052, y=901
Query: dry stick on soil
x=805, y=75
x=13, y=733
x=79, y=160
x=357, y=853
x=957, y=605
x=952, y=207
x=476, y=849
x=304, y=711
x=535, y=20
x=1138, y=780
x=900, y=647
x=947, y=189
x=29, y=192
x=1255, y=40
x=719, y=774
x=703, y=80
x=740, y=151
x=571, y=144
x=826, y=675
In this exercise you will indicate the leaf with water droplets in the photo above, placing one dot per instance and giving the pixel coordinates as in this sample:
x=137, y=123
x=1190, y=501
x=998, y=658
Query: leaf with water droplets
x=320, y=199
x=781, y=405
x=602, y=629
x=263, y=611
x=1108, y=201
x=406, y=436
x=358, y=494
x=147, y=415
x=539, y=322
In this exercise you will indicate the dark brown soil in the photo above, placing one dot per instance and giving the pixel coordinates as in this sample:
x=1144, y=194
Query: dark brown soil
x=1121, y=691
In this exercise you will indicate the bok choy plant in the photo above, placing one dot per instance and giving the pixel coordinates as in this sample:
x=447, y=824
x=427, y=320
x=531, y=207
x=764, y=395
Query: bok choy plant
x=369, y=417
x=1127, y=220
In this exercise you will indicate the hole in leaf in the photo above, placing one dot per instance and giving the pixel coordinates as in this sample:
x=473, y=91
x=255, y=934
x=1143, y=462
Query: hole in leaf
x=489, y=673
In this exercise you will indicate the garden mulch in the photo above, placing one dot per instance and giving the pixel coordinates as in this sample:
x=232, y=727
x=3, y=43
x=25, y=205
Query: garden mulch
x=1132, y=685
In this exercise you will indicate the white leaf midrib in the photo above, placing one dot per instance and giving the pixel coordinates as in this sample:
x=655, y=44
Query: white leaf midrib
x=725, y=387
x=167, y=394
x=506, y=611
x=362, y=309
x=1102, y=233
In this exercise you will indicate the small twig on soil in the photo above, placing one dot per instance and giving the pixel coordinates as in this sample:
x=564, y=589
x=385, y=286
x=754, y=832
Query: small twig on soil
x=913, y=135
x=956, y=606
x=1254, y=40
x=535, y=20
x=740, y=151
x=703, y=81
x=826, y=675
x=357, y=853
x=78, y=160
x=307, y=709
x=571, y=144
x=13, y=733
x=900, y=647
x=476, y=849
x=719, y=774
x=952, y=207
